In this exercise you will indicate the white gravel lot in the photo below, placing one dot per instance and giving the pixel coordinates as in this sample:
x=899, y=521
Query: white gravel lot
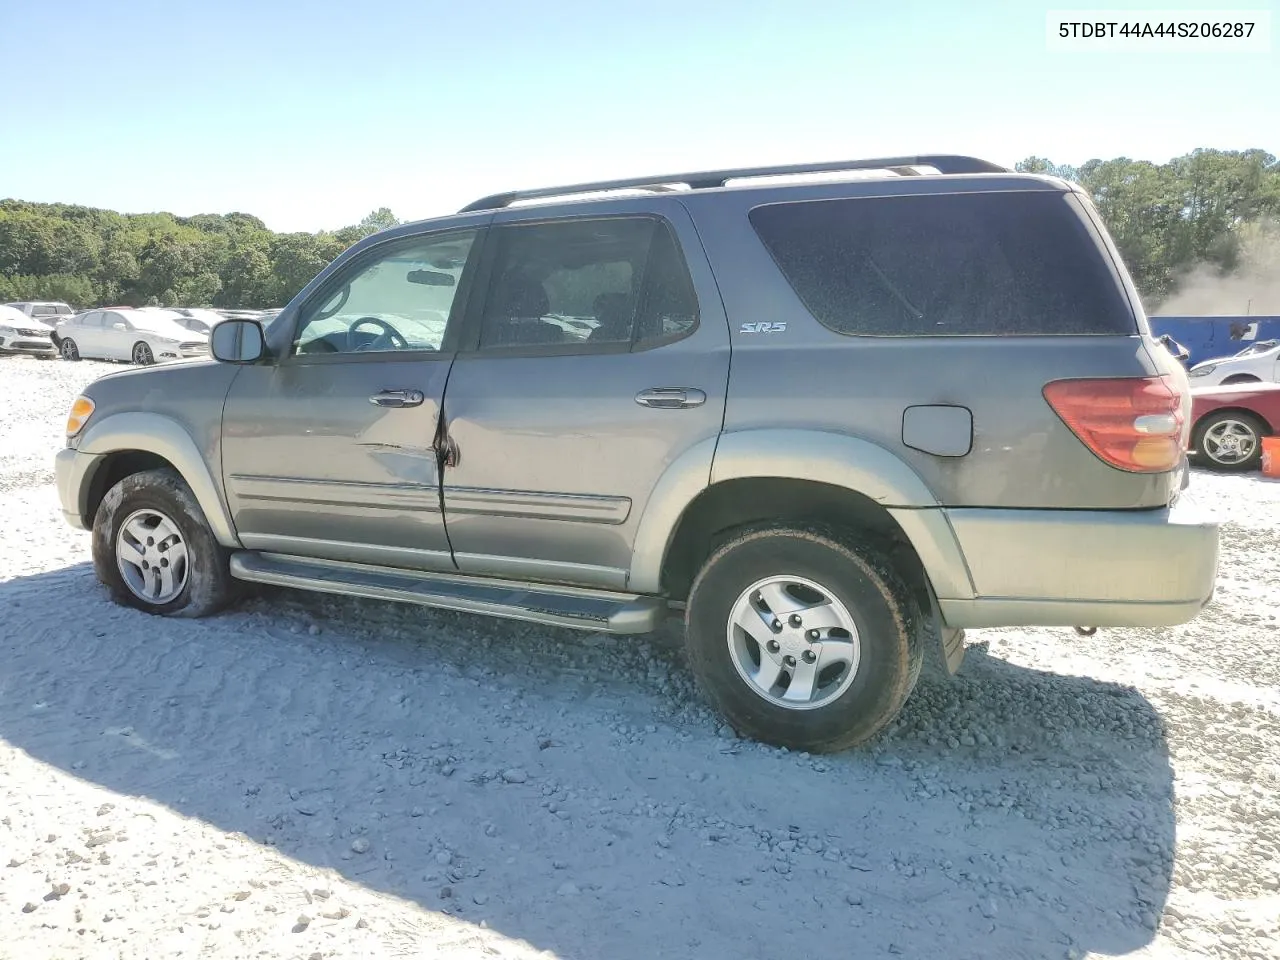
x=317, y=777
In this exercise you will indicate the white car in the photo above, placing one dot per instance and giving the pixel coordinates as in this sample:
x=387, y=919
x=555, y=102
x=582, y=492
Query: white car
x=1257, y=362
x=142, y=336
x=20, y=333
x=48, y=311
x=199, y=319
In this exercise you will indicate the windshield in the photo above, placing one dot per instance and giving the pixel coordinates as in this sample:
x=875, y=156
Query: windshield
x=163, y=324
x=1262, y=346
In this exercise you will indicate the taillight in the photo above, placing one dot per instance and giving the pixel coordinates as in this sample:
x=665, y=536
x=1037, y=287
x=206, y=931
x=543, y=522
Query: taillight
x=1133, y=424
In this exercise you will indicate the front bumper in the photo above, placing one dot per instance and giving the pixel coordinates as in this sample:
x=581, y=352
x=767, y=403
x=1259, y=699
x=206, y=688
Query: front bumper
x=25, y=344
x=72, y=472
x=168, y=355
x=1131, y=568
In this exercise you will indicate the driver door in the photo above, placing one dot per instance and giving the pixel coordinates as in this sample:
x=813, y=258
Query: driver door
x=330, y=451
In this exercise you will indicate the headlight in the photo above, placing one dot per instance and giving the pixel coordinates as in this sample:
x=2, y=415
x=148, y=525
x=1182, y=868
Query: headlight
x=81, y=411
x=1202, y=371
x=8, y=332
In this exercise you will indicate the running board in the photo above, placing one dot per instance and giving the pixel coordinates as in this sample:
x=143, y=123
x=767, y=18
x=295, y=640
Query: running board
x=577, y=608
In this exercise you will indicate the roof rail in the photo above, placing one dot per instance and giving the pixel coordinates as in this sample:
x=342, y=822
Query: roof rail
x=943, y=163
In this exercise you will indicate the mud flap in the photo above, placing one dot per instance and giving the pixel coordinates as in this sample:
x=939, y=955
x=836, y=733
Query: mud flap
x=944, y=646
x=953, y=648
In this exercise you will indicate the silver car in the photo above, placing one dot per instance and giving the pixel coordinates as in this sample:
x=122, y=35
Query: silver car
x=47, y=311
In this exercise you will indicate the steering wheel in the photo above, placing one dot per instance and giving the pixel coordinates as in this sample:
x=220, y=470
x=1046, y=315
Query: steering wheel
x=389, y=335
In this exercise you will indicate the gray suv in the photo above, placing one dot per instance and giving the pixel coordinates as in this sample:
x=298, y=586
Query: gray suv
x=831, y=422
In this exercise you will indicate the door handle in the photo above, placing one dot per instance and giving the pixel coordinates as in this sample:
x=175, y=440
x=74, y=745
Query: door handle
x=398, y=398
x=671, y=398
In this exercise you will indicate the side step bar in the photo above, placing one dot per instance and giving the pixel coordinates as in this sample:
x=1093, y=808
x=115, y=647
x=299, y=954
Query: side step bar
x=577, y=608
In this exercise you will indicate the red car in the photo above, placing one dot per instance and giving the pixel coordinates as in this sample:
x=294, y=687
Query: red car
x=1228, y=423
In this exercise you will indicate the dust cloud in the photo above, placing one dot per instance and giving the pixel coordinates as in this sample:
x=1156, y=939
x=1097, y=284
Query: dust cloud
x=1252, y=289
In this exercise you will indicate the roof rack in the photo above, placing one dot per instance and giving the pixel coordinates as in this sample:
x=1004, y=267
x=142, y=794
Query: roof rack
x=943, y=163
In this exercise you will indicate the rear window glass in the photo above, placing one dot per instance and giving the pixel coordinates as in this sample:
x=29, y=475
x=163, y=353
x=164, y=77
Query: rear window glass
x=976, y=264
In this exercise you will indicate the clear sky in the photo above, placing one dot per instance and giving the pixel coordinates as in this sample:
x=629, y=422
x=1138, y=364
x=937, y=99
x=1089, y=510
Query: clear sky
x=309, y=115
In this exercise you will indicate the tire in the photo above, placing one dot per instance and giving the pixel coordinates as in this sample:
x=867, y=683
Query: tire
x=67, y=347
x=1230, y=441
x=859, y=698
x=200, y=580
x=142, y=354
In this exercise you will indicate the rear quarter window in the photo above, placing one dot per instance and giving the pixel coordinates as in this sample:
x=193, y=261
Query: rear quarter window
x=969, y=264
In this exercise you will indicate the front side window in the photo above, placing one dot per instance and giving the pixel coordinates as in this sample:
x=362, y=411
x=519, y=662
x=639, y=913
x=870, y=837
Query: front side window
x=580, y=284
x=400, y=300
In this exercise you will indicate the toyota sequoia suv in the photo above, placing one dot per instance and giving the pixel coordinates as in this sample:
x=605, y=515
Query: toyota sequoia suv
x=830, y=421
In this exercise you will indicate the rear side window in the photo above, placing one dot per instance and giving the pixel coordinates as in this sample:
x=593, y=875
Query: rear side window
x=588, y=284
x=973, y=264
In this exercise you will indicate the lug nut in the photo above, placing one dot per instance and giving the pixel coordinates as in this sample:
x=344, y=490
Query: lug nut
x=151, y=541
x=809, y=656
x=777, y=625
x=795, y=620
x=145, y=565
x=813, y=634
x=774, y=646
x=789, y=661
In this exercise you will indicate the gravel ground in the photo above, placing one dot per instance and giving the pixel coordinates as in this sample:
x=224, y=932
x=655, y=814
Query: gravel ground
x=318, y=777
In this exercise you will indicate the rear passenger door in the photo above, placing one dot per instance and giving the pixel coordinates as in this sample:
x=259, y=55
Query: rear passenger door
x=598, y=354
x=87, y=334
x=116, y=342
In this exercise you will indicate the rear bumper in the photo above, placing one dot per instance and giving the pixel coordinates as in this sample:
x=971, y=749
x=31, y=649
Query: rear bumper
x=1144, y=568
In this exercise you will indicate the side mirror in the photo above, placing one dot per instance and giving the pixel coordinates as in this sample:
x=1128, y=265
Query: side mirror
x=118, y=326
x=238, y=341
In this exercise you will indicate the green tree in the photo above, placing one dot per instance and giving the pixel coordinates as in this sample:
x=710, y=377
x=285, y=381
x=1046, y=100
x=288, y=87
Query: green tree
x=379, y=219
x=1195, y=211
x=296, y=258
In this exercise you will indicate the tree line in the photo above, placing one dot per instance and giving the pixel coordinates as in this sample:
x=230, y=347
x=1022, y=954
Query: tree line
x=1208, y=211
x=89, y=257
x=1206, y=215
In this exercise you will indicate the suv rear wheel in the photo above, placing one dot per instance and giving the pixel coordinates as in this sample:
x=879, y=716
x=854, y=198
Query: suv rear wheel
x=154, y=551
x=803, y=638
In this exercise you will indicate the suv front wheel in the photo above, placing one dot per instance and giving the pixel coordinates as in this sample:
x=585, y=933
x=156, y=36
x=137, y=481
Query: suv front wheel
x=803, y=637
x=154, y=551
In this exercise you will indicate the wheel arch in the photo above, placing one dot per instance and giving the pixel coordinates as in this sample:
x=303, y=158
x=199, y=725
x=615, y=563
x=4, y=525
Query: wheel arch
x=1237, y=411
x=126, y=443
x=792, y=475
